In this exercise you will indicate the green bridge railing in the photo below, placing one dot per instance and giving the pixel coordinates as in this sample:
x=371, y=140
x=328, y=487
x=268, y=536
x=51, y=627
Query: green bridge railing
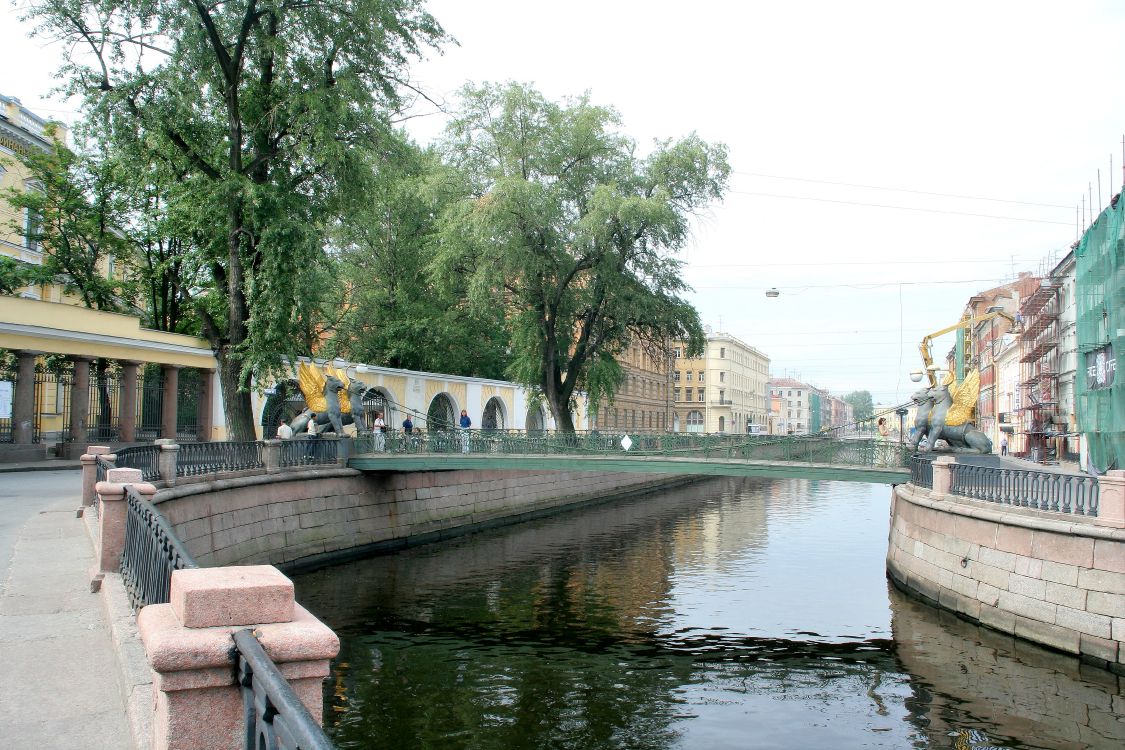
x=814, y=449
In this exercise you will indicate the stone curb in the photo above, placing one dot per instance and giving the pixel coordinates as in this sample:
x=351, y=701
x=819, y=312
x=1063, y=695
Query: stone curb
x=52, y=465
x=133, y=673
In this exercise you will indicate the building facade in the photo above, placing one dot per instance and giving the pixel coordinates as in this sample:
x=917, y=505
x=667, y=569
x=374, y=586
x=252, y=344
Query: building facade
x=724, y=390
x=643, y=401
x=795, y=406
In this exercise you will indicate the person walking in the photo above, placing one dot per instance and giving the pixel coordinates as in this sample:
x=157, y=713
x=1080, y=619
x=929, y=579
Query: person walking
x=284, y=431
x=465, y=424
x=1004, y=446
x=310, y=449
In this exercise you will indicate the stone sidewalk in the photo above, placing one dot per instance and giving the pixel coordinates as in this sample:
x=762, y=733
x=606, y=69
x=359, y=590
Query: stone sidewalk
x=60, y=685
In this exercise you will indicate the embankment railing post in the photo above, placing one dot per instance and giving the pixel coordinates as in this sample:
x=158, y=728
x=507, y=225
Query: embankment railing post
x=271, y=455
x=189, y=644
x=943, y=476
x=89, y=461
x=111, y=516
x=169, y=457
x=1111, y=499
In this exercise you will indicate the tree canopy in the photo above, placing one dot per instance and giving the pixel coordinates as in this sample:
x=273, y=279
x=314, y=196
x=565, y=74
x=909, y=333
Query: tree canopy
x=253, y=115
x=862, y=405
x=562, y=226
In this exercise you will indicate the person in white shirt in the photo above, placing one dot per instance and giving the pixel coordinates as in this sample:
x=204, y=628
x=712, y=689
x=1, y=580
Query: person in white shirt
x=284, y=431
x=380, y=427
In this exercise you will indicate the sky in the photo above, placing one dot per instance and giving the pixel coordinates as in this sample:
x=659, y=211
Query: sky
x=890, y=159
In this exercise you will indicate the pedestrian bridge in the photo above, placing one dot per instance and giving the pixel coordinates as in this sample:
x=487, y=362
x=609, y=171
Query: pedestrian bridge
x=779, y=457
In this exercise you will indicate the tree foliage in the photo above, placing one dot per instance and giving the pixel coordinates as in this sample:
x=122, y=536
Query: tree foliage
x=862, y=405
x=79, y=216
x=255, y=113
x=393, y=313
x=563, y=227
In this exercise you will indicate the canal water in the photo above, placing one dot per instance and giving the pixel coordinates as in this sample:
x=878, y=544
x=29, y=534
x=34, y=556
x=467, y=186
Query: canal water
x=729, y=613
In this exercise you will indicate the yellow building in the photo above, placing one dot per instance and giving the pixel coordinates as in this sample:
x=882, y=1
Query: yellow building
x=725, y=390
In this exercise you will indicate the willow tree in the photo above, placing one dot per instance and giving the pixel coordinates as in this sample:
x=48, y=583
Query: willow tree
x=258, y=107
x=570, y=232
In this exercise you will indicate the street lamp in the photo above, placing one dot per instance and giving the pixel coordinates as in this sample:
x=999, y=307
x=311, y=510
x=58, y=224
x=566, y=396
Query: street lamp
x=772, y=292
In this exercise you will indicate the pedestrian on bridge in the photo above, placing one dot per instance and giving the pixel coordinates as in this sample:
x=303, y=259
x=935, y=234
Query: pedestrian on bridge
x=466, y=423
x=380, y=428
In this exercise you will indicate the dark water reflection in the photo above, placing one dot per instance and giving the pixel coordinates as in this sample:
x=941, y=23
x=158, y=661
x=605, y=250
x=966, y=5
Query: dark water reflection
x=730, y=613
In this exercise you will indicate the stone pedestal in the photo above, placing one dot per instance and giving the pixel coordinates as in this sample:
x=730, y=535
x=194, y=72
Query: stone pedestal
x=1111, y=499
x=943, y=476
x=89, y=461
x=112, y=513
x=169, y=457
x=189, y=645
x=271, y=455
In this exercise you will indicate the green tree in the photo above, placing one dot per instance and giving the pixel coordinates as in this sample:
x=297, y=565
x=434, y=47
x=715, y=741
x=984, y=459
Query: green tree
x=259, y=108
x=563, y=227
x=79, y=222
x=862, y=405
x=392, y=313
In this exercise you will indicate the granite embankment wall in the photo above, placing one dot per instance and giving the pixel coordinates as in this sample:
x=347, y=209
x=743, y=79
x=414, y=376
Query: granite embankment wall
x=318, y=516
x=1053, y=580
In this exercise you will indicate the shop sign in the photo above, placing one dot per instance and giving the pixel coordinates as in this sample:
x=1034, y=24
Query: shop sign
x=1101, y=366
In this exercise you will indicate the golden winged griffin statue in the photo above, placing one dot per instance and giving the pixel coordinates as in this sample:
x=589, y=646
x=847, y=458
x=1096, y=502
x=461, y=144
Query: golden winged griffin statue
x=321, y=389
x=947, y=412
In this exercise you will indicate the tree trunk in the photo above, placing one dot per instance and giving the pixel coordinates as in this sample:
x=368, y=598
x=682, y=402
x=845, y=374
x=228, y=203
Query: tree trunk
x=237, y=405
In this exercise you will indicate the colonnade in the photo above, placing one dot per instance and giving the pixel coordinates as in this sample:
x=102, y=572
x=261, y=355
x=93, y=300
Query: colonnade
x=24, y=401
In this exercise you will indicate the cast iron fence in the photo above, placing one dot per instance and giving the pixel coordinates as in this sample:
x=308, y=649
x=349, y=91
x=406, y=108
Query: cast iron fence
x=197, y=459
x=922, y=471
x=152, y=551
x=275, y=718
x=308, y=452
x=803, y=448
x=143, y=457
x=1026, y=488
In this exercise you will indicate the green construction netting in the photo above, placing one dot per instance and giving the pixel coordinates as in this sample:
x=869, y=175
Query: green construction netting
x=1099, y=286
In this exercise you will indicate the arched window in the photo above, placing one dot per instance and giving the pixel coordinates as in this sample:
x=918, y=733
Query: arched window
x=695, y=421
x=722, y=424
x=493, y=418
x=440, y=415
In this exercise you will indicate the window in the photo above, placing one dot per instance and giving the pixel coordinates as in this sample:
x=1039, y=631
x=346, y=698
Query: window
x=675, y=394
x=722, y=355
x=695, y=421
x=675, y=376
x=790, y=393
x=676, y=352
x=790, y=413
x=687, y=391
x=687, y=376
x=699, y=377
x=722, y=425
x=722, y=394
x=700, y=394
x=32, y=226
x=722, y=377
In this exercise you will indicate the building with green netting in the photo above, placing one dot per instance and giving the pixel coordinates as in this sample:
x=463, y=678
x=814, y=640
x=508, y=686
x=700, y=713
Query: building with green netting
x=1100, y=298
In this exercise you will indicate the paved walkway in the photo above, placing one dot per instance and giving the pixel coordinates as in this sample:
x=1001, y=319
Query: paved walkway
x=59, y=680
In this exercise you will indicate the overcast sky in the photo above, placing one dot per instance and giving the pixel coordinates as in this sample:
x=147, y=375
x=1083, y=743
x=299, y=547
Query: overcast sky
x=834, y=113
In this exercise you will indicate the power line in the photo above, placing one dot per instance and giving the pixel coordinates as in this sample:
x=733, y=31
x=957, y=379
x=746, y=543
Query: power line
x=691, y=266
x=862, y=286
x=902, y=190
x=901, y=208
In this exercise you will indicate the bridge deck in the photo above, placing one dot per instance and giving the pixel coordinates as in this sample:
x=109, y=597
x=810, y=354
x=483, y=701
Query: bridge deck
x=405, y=462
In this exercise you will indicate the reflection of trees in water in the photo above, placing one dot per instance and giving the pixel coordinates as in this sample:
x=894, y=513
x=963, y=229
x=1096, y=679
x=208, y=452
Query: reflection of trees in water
x=984, y=688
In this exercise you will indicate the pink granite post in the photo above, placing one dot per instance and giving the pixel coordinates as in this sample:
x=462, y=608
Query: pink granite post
x=271, y=455
x=1111, y=499
x=189, y=644
x=111, y=515
x=89, y=462
x=943, y=476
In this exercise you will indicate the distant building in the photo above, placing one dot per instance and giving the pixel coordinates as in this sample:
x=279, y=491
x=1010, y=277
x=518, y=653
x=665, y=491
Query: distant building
x=643, y=399
x=725, y=390
x=796, y=405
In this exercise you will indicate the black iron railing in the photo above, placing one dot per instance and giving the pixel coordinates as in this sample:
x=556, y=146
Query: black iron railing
x=922, y=471
x=308, y=451
x=143, y=457
x=197, y=459
x=275, y=718
x=1024, y=488
x=152, y=551
x=102, y=465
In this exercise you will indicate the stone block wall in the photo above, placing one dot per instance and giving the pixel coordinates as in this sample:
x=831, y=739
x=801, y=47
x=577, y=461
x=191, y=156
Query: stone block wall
x=317, y=515
x=1053, y=580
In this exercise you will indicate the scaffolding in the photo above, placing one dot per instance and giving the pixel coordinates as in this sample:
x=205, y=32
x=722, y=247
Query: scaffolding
x=1040, y=424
